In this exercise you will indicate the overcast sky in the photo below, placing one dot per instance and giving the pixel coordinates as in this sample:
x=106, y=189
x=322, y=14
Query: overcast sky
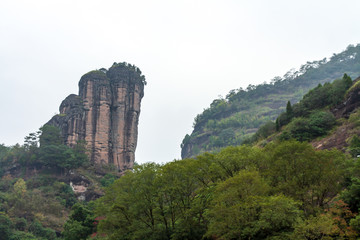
x=191, y=51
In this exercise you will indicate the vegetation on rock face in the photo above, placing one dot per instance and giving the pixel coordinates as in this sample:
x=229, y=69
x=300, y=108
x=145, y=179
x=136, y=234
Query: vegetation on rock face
x=35, y=194
x=129, y=68
x=124, y=66
x=238, y=116
x=311, y=117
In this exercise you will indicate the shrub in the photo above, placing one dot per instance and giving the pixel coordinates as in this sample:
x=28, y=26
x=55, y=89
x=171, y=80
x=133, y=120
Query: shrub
x=107, y=180
x=20, y=224
x=317, y=124
x=38, y=230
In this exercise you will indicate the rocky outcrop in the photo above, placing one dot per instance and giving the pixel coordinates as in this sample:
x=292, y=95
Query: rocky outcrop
x=105, y=114
x=351, y=102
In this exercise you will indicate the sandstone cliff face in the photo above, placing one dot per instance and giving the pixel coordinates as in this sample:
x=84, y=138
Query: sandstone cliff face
x=105, y=114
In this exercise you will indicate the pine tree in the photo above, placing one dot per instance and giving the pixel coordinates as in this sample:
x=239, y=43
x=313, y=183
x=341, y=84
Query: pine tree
x=289, y=111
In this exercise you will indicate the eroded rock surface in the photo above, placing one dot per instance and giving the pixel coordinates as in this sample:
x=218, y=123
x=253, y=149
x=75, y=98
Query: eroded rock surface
x=105, y=114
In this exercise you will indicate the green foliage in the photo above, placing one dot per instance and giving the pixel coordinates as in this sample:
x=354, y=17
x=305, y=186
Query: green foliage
x=80, y=223
x=54, y=154
x=327, y=95
x=264, y=131
x=236, y=206
x=245, y=110
x=57, y=156
x=258, y=217
x=20, y=224
x=20, y=188
x=238, y=193
x=337, y=222
x=289, y=111
x=319, y=227
x=186, y=140
x=34, y=199
x=315, y=125
x=50, y=152
x=35, y=230
x=107, y=180
x=352, y=194
x=355, y=146
x=130, y=68
x=20, y=235
x=62, y=156
x=50, y=135
x=295, y=169
x=80, y=154
x=131, y=211
x=355, y=223
x=5, y=227
x=38, y=230
x=64, y=194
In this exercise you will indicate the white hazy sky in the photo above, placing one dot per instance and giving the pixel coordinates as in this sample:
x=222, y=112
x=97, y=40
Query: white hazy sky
x=190, y=51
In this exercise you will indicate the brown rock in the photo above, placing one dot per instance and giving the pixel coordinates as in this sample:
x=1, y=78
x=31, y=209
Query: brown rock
x=105, y=114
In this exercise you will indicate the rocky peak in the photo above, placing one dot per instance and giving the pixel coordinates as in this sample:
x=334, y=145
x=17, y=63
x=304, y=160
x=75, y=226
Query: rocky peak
x=71, y=103
x=105, y=114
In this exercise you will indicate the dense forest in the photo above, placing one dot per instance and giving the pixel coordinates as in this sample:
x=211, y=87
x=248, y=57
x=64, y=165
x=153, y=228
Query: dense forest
x=286, y=190
x=230, y=120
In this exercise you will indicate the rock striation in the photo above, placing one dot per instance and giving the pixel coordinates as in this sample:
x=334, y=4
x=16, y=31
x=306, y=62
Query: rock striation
x=105, y=114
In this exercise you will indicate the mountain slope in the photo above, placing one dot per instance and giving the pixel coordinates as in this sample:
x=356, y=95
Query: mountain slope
x=333, y=122
x=234, y=119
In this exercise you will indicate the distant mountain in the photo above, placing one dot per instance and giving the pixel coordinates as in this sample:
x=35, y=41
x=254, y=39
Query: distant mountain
x=235, y=118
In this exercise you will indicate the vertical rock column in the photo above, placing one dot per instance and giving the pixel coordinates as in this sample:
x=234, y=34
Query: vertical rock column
x=102, y=120
x=71, y=110
x=127, y=92
x=105, y=114
x=118, y=122
x=94, y=90
x=132, y=125
x=70, y=120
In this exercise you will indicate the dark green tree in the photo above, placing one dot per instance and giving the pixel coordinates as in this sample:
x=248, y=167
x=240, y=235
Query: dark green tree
x=50, y=135
x=80, y=223
x=355, y=146
x=242, y=209
x=289, y=111
x=277, y=125
x=296, y=170
x=5, y=227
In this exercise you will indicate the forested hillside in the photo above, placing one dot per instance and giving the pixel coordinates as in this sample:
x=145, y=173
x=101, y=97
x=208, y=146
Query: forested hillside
x=41, y=181
x=282, y=184
x=283, y=191
x=231, y=120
